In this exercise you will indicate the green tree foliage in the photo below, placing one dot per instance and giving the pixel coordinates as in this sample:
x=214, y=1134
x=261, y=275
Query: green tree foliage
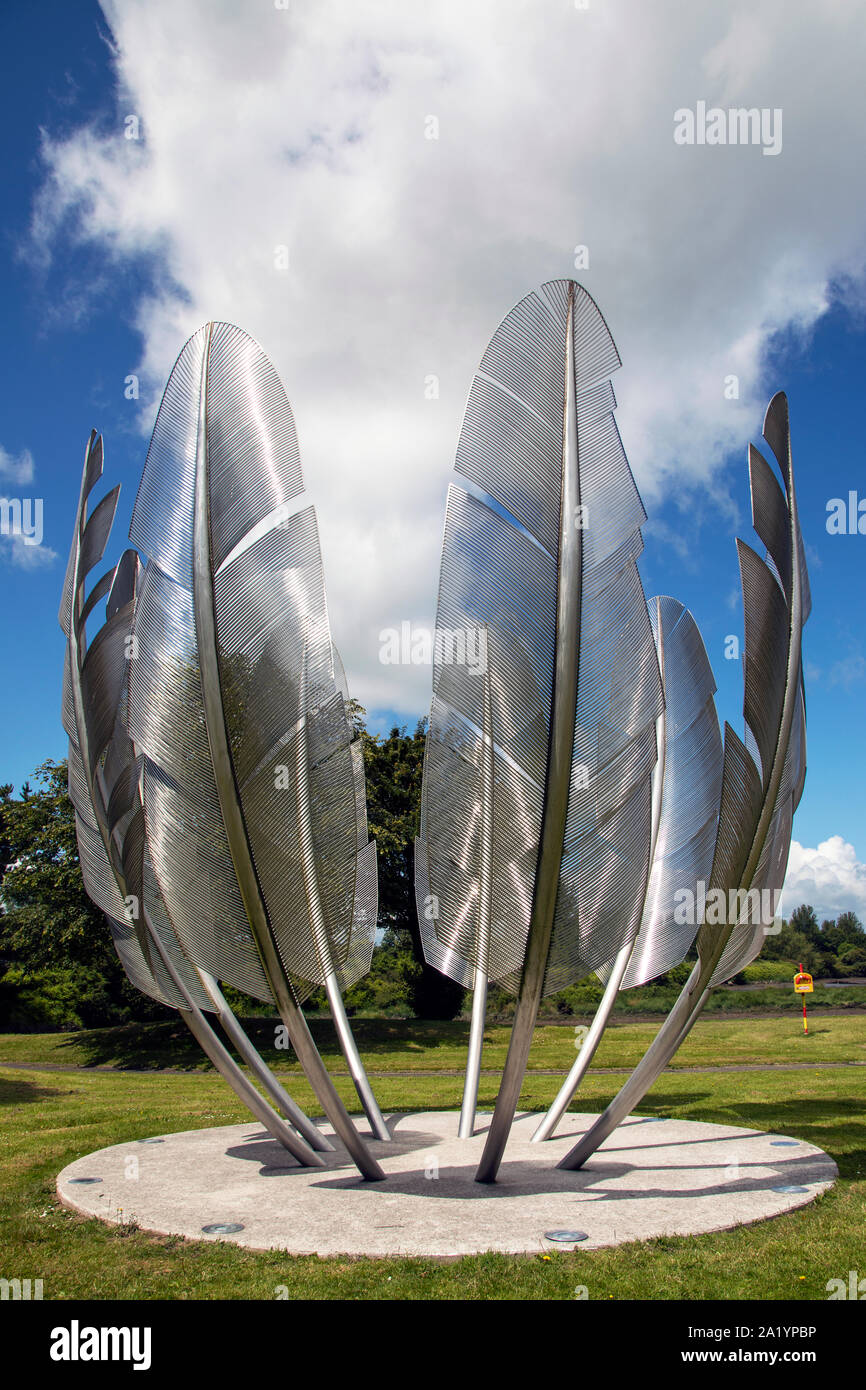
x=834, y=948
x=393, y=768
x=58, y=967
x=804, y=919
x=48, y=918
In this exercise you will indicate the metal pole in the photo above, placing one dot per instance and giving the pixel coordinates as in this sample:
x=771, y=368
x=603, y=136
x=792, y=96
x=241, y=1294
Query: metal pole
x=321, y=940
x=599, y=1023
x=261, y=1071
x=229, y=1069
x=675, y=1028
x=349, y=1049
x=245, y=1091
x=587, y=1051
x=466, y=1127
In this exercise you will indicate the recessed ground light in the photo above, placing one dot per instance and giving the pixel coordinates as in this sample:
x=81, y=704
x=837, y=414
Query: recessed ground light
x=566, y=1237
x=81, y=1182
x=222, y=1228
x=151, y=1141
x=784, y=1143
x=789, y=1187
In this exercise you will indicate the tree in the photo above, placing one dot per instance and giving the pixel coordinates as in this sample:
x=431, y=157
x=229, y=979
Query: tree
x=387, y=986
x=48, y=919
x=804, y=919
x=393, y=767
x=801, y=943
x=851, y=927
x=852, y=960
x=55, y=945
x=799, y=949
x=5, y=847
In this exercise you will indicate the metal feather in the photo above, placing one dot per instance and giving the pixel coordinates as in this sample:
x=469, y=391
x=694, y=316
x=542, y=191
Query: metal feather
x=686, y=788
x=103, y=790
x=687, y=784
x=759, y=795
x=249, y=780
x=535, y=826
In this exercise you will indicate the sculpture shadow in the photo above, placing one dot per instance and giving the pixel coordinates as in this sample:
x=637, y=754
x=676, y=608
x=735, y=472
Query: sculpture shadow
x=140, y=1047
x=518, y=1178
x=277, y=1161
x=835, y=1124
x=26, y=1092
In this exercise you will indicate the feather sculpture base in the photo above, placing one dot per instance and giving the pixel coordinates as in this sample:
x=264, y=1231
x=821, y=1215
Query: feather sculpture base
x=666, y=1177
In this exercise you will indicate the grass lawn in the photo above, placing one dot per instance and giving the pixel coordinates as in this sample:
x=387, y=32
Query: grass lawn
x=415, y=1045
x=52, y=1116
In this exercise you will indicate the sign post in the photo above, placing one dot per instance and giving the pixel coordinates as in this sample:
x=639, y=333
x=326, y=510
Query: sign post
x=803, y=985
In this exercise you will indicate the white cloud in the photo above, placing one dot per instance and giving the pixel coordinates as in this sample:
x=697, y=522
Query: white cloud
x=306, y=127
x=16, y=551
x=17, y=469
x=830, y=878
x=848, y=670
x=21, y=544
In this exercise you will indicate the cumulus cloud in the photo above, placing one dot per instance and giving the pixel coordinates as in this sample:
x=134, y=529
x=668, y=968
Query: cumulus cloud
x=423, y=167
x=15, y=468
x=21, y=517
x=16, y=551
x=830, y=878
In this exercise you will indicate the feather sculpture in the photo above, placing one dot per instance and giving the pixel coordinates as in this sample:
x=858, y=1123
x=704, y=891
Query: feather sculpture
x=533, y=852
x=102, y=775
x=761, y=788
x=687, y=784
x=252, y=806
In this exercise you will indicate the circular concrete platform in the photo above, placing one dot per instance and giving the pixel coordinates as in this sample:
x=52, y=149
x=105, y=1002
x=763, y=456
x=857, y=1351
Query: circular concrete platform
x=650, y=1178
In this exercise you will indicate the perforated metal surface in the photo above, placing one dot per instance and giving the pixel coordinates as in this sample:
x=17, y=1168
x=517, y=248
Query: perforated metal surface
x=103, y=782
x=294, y=777
x=499, y=580
x=689, y=773
x=760, y=793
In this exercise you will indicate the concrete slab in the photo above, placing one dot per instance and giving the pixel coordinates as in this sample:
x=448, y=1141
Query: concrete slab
x=650, y=1178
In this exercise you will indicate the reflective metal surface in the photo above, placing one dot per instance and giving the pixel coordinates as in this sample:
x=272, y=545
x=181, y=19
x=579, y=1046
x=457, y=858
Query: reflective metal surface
x=686, y=791
x=758, y=797
x=103, y=789
x=246, y=830
x=542, y=534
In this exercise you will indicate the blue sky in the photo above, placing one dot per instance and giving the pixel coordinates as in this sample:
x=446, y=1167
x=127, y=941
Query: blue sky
x=112, y=251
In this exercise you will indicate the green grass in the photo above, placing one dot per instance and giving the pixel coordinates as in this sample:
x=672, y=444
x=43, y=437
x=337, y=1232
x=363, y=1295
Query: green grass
x=394, y=1045
x=51, y=1117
